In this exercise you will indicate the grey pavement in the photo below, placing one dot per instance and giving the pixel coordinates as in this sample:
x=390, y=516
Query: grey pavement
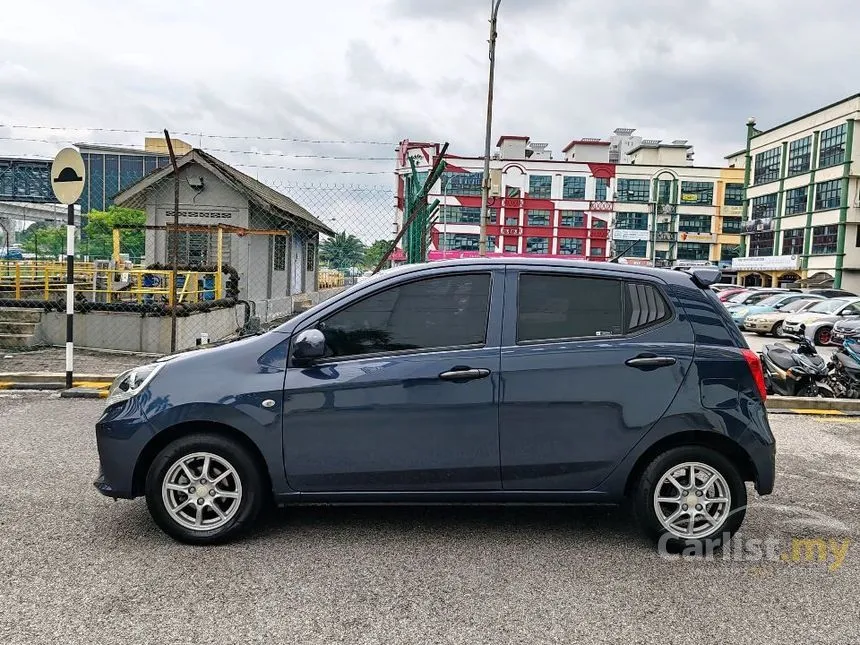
x=78, y=568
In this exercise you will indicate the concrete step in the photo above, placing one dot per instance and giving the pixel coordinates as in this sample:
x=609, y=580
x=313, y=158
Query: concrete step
x=16, y=340
x=9, y=327
x=20, y=314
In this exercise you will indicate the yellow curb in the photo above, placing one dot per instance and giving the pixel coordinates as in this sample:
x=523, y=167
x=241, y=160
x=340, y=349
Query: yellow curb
x=96, y=385
x=5, y=385
x=818, y=412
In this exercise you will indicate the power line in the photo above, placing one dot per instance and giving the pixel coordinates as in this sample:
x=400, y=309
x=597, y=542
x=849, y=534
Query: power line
x=207, y=136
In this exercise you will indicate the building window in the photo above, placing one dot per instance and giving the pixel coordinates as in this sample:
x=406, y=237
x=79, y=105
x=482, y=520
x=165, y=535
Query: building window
x=632, y=221
x=828, y=194
x=693, y=251
x=637, y=249
x=694, y=223
x=734, y=195
x=466, y=214
x=463, y=242
x=513, y=192
x=462, y=183
x=569, y=246
x=831, y=150
x=574, y=188
x=601, y=185
x=664, y=191
x=540, y=186
x=413, y=316
x=792, y=241
x=598, y=223
x=538, y=245
x=824, y=239
x=761, y=244
x=697, y=192
x=763, y=207
x=512, y=220
x=553, y=307
x=511, y=248
x=731, y=225
x=575, y=219
x=279, y=253
x=799, y=153
x=767, y=166
x=597, y=251
x=727, y=252
x=633, y=190
x=538, y=217
x=796, y=200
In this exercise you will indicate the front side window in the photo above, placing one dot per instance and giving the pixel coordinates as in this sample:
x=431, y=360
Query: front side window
x=697, y=192
x=767, y=166
x=552, y=307
x=446, y=311
x=832, y=147
x=633, y=190
x=540, y=186
x=799, y=155
x=573, y=188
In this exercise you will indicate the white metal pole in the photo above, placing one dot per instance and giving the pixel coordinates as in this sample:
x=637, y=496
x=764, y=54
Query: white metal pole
x=444, y=217
x=70, y=294
x=485, y=184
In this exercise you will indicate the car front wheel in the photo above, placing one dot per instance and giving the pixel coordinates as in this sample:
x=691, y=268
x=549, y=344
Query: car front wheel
x=822, y=336
x=204, y=489
x=690, y=497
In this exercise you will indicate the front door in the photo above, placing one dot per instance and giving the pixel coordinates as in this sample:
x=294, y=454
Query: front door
x=407, y=398
x=589, y=364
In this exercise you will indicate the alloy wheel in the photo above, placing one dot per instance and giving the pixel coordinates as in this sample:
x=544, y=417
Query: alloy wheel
x=692, y=500
x=202, y=491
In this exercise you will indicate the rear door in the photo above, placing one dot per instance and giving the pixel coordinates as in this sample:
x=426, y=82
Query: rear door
x=589, y=363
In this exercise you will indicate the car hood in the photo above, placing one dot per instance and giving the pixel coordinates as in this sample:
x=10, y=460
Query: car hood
x=768, y=315
x=809, y=318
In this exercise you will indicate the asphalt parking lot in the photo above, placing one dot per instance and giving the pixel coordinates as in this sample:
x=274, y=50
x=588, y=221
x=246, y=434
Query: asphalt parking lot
x=78, y=568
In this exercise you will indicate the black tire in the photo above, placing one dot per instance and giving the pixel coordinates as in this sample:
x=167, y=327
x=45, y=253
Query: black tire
x=777, y=329
x=254, y=489
x=644, y=495
x=822, y=335
x=759, y=333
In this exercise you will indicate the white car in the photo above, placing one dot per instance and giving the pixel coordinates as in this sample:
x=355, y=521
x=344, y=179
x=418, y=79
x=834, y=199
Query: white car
x=817, y=322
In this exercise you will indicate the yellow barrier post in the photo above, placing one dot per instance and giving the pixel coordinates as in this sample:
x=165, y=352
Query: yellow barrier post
x=17, y=281
x=218, y=275
x=170, y=290
x=47, y=282
x=116, y=240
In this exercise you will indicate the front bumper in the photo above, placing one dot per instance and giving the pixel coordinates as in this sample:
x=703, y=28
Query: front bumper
x=121, y=436
x=759, y=324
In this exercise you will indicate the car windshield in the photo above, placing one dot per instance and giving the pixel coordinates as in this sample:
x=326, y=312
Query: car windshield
x=828, y=306
x=740, y=297
x=772, y=300
x=798, y=305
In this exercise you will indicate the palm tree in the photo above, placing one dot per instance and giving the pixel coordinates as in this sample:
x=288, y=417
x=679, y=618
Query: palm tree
x=342, y=251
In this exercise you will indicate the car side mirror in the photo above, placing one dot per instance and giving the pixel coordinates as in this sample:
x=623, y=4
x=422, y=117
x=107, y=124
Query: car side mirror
x=309, y=346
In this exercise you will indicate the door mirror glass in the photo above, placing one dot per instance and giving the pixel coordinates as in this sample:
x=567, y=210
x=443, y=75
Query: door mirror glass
x=309, y=346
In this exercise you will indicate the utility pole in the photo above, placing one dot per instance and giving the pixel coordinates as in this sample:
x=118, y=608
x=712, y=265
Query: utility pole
x=485, y=185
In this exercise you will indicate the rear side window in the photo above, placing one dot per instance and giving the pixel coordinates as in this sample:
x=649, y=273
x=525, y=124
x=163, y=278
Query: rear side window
x=446, y=311
x=554, y=307
x=645, y=306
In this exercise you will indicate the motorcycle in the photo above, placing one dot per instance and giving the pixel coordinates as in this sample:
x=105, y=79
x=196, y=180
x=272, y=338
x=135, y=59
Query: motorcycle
x=797, y=371
x=843, y=371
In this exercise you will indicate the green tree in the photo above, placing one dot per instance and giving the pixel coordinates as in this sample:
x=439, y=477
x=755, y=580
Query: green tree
x=44, y=239
x=342, y=251
x=374, y=253
x=100, y=227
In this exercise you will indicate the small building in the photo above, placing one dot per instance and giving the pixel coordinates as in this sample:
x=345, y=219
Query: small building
x=802, y=214
x=271, y=241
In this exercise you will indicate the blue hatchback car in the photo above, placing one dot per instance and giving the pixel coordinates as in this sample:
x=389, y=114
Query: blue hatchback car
x=504, y=381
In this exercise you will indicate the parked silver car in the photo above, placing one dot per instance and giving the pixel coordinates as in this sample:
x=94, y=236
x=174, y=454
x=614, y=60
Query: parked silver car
x=817, y=322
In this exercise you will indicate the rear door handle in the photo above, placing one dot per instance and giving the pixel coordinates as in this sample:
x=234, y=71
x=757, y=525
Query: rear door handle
x=464, y=374
x=650, y=362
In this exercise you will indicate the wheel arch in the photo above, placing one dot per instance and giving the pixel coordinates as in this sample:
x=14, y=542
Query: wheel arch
x=171, y=434
x=720, y=443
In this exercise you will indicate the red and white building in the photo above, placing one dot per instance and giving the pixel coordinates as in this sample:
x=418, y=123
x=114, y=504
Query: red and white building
x=538, y=205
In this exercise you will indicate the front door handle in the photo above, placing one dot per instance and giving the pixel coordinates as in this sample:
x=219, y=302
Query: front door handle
x=464, y=374
x=650, y=362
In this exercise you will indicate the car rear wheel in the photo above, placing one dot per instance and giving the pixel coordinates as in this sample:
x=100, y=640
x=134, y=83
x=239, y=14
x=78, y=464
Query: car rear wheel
x=690, y=497
x=204, y=489
x=823, y=335
x=777, y=329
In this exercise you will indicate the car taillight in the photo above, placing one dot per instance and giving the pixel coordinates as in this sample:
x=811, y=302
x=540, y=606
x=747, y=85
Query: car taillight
x=754, y=363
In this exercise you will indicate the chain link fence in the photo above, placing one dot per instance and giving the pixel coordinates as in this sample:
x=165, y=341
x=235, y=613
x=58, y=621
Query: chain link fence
x=237, y=256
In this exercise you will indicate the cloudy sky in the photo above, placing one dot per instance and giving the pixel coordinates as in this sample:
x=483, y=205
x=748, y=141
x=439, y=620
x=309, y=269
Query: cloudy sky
x=384, y=70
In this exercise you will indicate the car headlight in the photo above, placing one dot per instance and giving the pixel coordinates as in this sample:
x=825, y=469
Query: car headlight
x=740, y=313
x=132, y=382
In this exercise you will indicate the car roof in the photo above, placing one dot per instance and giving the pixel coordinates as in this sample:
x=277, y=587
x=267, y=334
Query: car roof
x=667, y=275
